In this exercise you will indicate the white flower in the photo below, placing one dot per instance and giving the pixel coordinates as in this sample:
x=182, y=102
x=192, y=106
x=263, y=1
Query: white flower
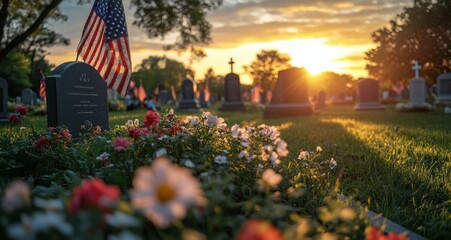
x=319, y=149
x=129, y=123
x=205, y=114
x=103, y=156
x=22, y=128
x=161, y=152
x=243, y=154
x=235, y=131
x=260, y=166
x=303, y=155
x=50, y=204
x=16, y=195
x=270, y=178
x=220, y=159
x=120, y=219
x=213, y=121
x=281, y=148
x=125, y=235
x=244, y=143
x=164, y=191
x=189, y=163
x=136, y=122
x=192, y=121
x=332, y=163
x=171, y=111
x=39, y=222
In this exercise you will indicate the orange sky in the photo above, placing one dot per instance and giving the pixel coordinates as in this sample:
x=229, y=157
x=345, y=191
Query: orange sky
x=318, y=35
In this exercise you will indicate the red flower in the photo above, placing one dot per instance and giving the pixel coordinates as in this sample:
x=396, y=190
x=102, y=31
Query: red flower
x=121, y=143
x=257, y=229
x=41, y=142
x=93, y=194
x=374, y=234
x=151, y=119
x=15, y=119
x=22, y=110
x=134, y=133
x=97, y=130
x=65, y=135
x=175, y=128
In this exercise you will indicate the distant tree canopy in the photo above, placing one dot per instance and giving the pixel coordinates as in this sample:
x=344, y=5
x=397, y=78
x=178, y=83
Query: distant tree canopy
x=15, y=66
x=422, y=33
x=265, y=67
x=159, y=71
x=333, y=84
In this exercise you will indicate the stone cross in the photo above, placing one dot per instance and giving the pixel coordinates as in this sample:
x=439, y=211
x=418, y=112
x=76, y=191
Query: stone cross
x=231, y=65
x=416, y=68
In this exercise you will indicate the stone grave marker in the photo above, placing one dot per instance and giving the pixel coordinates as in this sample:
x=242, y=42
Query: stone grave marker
x=321, y=100
x=443, y=93
x=3, y=101
x=164, y=96
x=27, y=97
x=187, y=102
x=290, y=96
x=418, y=89
x=368, y=95
x=76, y=97
x=232, y=91
x=202, y=99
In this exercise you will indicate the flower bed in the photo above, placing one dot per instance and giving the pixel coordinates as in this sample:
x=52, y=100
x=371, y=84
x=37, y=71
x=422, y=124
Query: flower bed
x=171, y=178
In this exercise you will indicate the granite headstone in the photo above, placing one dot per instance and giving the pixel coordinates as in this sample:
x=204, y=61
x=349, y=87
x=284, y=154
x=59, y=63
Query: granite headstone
x=321, y=100
x=164, y=97
x=76, y=98
x=444, y=88
x=27, y=97
x=187, y=102
x=368, y=95
x=232, y=93
x=3, y=101
x=290, y=96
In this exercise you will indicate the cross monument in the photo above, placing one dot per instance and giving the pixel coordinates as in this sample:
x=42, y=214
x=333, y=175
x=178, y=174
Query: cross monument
x=231, y=65
x=416, y=67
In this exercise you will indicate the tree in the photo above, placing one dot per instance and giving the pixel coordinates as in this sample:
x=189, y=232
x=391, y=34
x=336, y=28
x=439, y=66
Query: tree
x=15, y=69
x=421, y=32
x=265, y=67
x=188, y=17
x=333, y=84
x=157, y=17
x=159, y=71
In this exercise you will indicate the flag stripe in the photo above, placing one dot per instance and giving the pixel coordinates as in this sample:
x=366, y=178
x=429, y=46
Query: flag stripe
x=104, y=44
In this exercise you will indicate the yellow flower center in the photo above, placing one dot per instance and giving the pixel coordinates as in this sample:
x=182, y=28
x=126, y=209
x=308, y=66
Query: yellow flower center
x=165, y=192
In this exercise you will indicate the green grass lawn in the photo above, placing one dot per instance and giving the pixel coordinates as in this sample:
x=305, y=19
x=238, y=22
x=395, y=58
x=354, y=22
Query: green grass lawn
x=398, y=163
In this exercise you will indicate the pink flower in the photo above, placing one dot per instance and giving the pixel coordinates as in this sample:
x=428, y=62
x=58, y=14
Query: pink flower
x=121, y=143
x=17, y=194
x=151, y=119
x=14, y=119
x=22, y=110
x=93, y=194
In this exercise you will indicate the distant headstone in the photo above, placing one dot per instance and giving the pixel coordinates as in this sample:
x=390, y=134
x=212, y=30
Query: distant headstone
x=187, y=102
x=368, y=95
x=27, y=97
x=321, y=100
x=290, y=96
x=112, y=95
x=76, y=97
x=232, y=93
x=418, y=90
x=202, y=99
x=3, y=101
x=164, y=96
x=18, y=100
x=444, y=88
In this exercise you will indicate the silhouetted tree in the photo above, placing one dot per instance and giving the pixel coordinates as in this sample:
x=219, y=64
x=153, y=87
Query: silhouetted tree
x=265, y=67
x=421, y=32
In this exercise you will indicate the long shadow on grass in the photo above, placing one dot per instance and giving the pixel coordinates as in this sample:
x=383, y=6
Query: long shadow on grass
x=402, y=197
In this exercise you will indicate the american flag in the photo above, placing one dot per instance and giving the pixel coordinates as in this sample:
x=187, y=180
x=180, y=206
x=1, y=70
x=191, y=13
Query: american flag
x=42, y=93
x=104, y=44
